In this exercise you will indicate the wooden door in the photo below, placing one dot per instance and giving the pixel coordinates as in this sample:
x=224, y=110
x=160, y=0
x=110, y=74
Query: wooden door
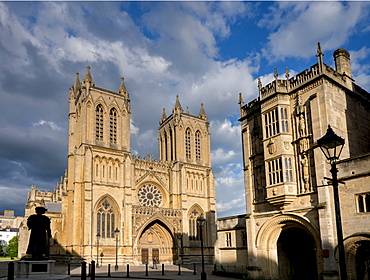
x=144, y=255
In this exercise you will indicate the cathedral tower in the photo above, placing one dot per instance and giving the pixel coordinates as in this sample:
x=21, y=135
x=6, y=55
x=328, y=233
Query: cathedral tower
x=150, y=206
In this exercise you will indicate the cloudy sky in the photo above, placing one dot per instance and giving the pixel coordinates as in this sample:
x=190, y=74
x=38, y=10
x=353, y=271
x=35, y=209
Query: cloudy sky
x=205, y=52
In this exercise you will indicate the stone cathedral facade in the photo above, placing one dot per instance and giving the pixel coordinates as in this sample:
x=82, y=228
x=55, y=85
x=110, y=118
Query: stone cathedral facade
x=290, y=222
x=108, y=197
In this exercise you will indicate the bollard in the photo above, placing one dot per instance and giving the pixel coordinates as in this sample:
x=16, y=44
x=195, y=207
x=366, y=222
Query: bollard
x=69, y=269
x=83, y=271
x=128, y=271
x=146, y=270
x=179, y=273
x=108, y=269
x=162, y=268
x=11, y=271
x=195, y=269
x=89, y=271
x=92, y=274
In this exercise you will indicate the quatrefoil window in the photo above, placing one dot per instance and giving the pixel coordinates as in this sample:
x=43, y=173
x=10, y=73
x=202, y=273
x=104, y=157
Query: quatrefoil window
x=150, y=195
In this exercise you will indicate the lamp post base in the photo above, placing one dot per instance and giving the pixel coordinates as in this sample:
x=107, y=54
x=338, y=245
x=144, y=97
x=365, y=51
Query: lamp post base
x=203, y=276
x=116, y=268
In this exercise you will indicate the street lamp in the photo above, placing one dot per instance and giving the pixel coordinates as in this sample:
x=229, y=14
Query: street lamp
x=116, y=232
x=97, y=249
x=332, y=145
x=201, y=221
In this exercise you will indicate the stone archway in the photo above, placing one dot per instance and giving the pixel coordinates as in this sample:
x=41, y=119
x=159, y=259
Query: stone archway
x=296, y=255
x=279, y=242
x=357, y=248
x=156, y=241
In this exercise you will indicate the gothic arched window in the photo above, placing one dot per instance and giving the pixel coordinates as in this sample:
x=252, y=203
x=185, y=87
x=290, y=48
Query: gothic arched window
x=105, y=219
x=99, y=123
x=193, y=225
x=197, y=145
x=113, y=126
x=187, y=143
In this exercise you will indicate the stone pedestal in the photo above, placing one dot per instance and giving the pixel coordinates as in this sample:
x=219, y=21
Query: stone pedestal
x=37, y=269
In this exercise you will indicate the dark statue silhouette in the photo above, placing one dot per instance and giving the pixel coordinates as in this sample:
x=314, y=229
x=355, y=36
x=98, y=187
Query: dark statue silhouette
x=39, y=224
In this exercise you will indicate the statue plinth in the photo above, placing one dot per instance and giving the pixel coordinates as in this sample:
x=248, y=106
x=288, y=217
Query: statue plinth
x=37, y=269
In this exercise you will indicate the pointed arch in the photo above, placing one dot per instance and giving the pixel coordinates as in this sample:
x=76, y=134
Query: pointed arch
x=113, y=117
x=198, y=145
x=157, y=218
x=193, y=214
x=107, y=216
x=188, y=143
x=99, y=122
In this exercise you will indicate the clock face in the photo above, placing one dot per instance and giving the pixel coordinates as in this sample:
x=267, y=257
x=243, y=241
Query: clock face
x=149, y=195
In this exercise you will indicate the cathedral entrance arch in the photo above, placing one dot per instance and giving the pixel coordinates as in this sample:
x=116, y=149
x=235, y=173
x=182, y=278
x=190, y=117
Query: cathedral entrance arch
x=156, y=241
x=289, y=248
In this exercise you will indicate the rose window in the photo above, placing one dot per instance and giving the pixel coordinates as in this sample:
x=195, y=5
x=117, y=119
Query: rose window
x=150, y=195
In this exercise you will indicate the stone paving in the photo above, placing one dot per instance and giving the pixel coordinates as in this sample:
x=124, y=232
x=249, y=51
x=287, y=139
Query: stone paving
x=136, y=272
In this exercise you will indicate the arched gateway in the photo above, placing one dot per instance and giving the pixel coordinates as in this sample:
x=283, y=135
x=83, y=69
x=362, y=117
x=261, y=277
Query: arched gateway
x=156, y=240
x=288, y=246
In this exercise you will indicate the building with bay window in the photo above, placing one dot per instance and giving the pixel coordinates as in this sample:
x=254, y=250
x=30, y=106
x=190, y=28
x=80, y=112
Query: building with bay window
x=290, y=215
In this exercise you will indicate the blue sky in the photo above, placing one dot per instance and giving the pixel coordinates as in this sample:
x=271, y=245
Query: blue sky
x=205, y=52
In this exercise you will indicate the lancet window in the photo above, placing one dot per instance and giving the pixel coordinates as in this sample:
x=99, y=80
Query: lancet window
x=187, y=143
x=105, y=218
x=197, y=145
x=113, y=126
x=99, y=123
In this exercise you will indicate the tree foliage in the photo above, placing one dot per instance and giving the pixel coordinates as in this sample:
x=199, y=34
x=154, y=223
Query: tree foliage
x=12, y=249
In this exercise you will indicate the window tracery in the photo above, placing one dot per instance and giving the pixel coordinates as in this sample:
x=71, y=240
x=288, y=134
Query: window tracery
x=105, y=218
x=113, y=126
x=187, y=143
x=150, y=195
x=197, y=145
x=99, y=123
x=194, y=230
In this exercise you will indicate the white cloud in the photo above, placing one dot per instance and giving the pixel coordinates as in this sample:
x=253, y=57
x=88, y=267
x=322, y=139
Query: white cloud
x=50, y=124
x=298, y=26
x=360, y=69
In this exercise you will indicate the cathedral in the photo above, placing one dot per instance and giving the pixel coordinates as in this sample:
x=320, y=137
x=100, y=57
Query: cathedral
x=112, y=204
x=290, y=221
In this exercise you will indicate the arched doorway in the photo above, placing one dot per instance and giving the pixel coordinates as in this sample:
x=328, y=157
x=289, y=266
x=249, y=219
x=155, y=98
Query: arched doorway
x=362, y=260
x=296, y=255
x=357, y=248
x=157, y=242
x=277, y=243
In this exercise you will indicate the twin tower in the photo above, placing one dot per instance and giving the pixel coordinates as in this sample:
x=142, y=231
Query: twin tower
x=150, y=206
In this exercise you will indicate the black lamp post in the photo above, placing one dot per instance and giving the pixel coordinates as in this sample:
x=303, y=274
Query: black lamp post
x=201, y=221
x=97, y=249
x=332, y=145
x=116, y=232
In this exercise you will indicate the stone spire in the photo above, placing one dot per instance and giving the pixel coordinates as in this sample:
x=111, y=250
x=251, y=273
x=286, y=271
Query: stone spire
x=77, y=84
x=202, y=113
x=88, y=79
x=320, y=57
x=122, y=88
x=177, y=108
x=164, y=116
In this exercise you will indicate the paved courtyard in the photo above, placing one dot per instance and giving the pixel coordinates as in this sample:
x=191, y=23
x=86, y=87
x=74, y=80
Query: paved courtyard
x=136, y=272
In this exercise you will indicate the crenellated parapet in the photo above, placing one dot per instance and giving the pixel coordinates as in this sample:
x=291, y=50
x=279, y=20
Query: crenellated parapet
x=341, y=75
